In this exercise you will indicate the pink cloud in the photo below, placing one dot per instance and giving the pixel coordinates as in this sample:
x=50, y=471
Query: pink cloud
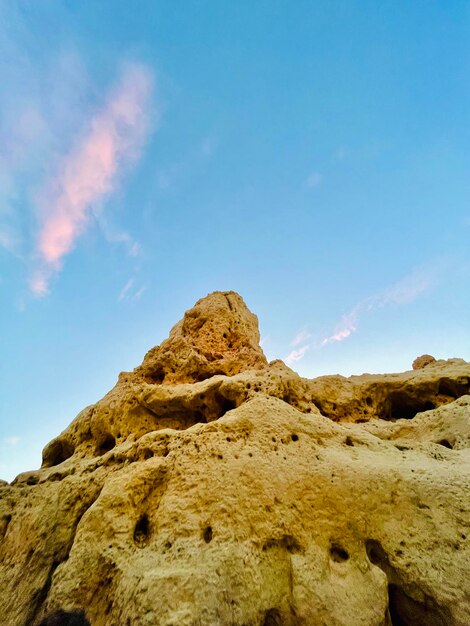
x=296, y=355
x=403, y=292
x=301, y=337
x=39, y=283
x=91, y=170
x=345, y=329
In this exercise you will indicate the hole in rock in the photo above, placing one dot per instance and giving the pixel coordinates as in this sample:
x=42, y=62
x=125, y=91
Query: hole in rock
x=348, y=441
x=452, y=388
x=207, y=534
x=401, y=405
x=205, y=375
x=369, y=401
x=287, y=542
x=376, y=553
x=226, y=405
x=406, y=611
x=142, y=531
x=272, y=617
x=157, y=377
x=66, y=618
x=338, y=554
x=5, y=524
x=445, y=443
x=56, y=453
x=294, y=437
x=105, y=445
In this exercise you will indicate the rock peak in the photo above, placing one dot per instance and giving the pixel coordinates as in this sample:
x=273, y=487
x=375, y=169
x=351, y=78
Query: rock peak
x=219, y=335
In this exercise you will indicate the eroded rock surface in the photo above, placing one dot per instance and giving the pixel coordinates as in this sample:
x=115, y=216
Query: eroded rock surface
x=210, y=487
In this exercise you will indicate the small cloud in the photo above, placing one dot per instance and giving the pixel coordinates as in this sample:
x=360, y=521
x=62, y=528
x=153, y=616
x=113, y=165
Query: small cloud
x=135, y=249
x=302, y=336
x=12, y=441
x=340, y=334
x=128, y=292
x=39, y=283
x=314, y=180
x=125, y=290
x=138, y=294
x=118, y=236
x=296, y=355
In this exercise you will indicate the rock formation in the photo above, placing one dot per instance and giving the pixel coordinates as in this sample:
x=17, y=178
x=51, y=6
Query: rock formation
x=422, y=361
x=210, y=487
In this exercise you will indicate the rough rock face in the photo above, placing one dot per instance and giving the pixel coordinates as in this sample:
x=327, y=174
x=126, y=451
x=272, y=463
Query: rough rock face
x=422, y=361
x=210, y=487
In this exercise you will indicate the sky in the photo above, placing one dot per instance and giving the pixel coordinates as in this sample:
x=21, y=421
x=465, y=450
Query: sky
x=313, y=156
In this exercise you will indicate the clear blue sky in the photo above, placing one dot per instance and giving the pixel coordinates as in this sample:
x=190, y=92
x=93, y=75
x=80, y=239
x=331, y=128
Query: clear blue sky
x=313, y=156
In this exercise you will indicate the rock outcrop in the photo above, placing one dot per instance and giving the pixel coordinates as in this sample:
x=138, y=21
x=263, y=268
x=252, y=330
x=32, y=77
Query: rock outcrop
x=210, y=487
x=422, y=361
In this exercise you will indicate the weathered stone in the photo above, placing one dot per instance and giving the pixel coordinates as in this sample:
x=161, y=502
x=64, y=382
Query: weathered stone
x=212, y=488
x=423, y=361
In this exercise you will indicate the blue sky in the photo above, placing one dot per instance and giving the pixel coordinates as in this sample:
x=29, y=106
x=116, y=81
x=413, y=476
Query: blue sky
x=313, y=156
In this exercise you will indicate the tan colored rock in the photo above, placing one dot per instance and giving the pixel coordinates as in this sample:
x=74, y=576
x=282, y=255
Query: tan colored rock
x=423, y=361
x=246, y=495
x=218, y=335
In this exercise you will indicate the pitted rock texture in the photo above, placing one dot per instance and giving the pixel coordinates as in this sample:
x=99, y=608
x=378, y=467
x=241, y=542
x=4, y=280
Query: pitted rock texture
x=422, y=361
x=210, y=487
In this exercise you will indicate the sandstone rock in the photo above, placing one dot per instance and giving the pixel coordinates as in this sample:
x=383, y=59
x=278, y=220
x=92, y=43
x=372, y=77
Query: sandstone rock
x=218, y=335
x=423, y=361
x=212, y=488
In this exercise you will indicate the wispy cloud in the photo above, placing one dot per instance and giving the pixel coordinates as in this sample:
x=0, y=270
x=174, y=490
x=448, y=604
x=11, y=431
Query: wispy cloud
x=91, y=171
x=12, y=441
x=118, y=236
x=411, y=287
x=130, y=292
x=314, y=180
x=296, y=355
x=402, y=292
x=302, y=336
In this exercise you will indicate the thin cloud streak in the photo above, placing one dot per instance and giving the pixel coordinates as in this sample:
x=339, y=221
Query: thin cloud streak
x=411, y=287
x=302, y=336
x=91, y=171
x=12, y=441
x=125, y=290
x=296, y=355
x=406, y=290
x=128, y=293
